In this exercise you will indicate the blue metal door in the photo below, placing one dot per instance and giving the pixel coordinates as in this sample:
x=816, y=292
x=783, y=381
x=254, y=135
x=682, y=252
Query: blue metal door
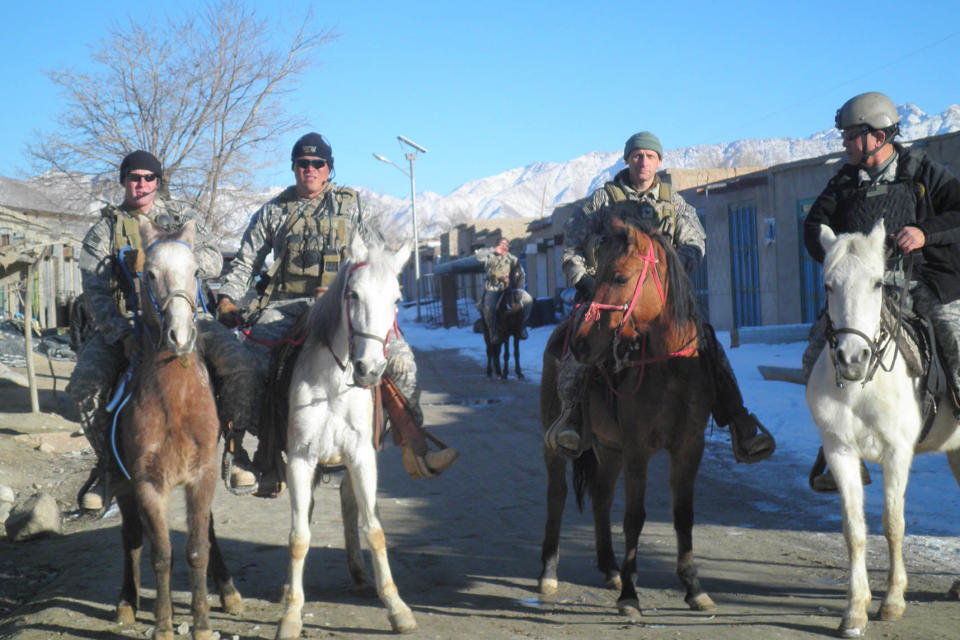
x=811, y=272
x=744, y=270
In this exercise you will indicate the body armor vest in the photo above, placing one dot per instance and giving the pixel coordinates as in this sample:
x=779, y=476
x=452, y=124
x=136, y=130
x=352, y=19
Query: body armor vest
x=126, y=233
x=314, y=246
x=661, y=209
x=862, y=207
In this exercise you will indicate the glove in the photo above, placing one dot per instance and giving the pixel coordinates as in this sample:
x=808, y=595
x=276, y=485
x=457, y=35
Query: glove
x=585, y=286
x=689, y=258
x=131, y=346
x=228, y=313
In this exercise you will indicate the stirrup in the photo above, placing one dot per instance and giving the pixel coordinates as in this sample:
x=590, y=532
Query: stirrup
x=821, y=478
x=226, y=473
x=558, y=436
x=417, y=467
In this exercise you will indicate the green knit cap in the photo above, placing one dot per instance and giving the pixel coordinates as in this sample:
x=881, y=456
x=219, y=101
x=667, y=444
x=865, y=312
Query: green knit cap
x=642, y=140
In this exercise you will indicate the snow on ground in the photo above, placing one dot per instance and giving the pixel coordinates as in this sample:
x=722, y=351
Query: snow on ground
x=933, y=497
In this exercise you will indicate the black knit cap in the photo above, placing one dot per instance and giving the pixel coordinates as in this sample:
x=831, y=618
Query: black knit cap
x=140, y=161
x=312, y=144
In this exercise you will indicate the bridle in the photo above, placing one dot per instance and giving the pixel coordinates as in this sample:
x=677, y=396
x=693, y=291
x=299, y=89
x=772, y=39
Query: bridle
x=880, y=344
x=620, y=361
x=159, y=305
x=352, y=333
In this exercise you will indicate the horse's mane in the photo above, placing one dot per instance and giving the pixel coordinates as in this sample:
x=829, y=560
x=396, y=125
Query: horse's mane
x=681, y=301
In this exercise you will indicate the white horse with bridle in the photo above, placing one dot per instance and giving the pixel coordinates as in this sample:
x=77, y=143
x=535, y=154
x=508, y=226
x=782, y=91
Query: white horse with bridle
x=331, y=419
x=867, y=405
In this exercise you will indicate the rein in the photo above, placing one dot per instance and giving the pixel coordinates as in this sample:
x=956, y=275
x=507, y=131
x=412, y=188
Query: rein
x=649, y=259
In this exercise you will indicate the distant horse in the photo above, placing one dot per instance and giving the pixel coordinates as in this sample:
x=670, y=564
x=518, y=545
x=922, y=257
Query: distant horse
x=512, y=312
x=641, y=332
x=867, y=406
x=168, y=432
x=331, y=419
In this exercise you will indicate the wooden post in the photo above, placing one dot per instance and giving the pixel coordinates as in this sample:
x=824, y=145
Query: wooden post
x=28, y=338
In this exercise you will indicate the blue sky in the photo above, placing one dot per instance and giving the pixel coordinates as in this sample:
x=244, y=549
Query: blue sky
x=490, y=86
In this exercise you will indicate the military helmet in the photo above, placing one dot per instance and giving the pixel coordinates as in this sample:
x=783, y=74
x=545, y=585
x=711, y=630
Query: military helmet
x=872, y=109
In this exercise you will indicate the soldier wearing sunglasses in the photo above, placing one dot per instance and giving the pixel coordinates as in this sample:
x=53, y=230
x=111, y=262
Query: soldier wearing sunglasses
x=111, y=345
x=307, y=229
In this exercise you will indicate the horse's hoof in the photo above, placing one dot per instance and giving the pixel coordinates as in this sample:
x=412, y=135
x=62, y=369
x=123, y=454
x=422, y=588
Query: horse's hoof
x=163, y=635
x=849, y=629
x=125, y=614
x=549, y=586
x=402, y=621
x=232, y=603
x=364, y=590
x=700, y=602
x=288, y=630
x=613, y=581
x=630, y=608
x=955, y=589
x=202, y=634
x=890, y=612
x=520, y=376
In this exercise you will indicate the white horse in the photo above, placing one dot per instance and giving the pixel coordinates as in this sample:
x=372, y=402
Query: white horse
x=866, y=408
x=331, y=419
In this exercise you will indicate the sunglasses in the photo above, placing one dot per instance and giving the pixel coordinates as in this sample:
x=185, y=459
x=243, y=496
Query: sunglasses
x=852, y=134
x=304, y=163
x=137, y=177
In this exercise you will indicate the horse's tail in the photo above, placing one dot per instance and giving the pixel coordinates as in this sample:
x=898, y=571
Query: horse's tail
x=584, y=475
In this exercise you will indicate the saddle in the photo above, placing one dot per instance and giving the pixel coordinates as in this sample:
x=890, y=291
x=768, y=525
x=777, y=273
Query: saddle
x=917, y=345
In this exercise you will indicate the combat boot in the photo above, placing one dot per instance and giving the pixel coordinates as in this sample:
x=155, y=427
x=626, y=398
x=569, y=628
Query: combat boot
x=563, y=436
x=822, y=480
x=418, y=461
x=750, y=439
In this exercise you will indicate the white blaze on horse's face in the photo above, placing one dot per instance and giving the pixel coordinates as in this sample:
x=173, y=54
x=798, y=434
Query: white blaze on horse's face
x=372, y=294
x=853, y=279
x=170, y=273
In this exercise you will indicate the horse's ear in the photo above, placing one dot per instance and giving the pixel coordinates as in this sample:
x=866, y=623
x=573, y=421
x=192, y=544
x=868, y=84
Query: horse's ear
x=148, y=231
x=878, y=235
x=188, y=233
x=401, y=257
x=827, y=238
x=357, y=248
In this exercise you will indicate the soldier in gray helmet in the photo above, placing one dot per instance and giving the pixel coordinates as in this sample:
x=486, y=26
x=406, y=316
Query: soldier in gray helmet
x=307, y=229
x=919, y=201
x=111, y=344
x=655, y=200
x=498, y=262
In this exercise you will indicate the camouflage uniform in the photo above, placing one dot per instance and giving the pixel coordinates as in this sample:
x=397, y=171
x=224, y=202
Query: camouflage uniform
x=308, y=237
x=498, y=270
x=908, y=189
x=678, y=221
x=101, y=357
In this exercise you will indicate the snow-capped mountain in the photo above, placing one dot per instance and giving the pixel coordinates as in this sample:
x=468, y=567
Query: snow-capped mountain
x=534, y=190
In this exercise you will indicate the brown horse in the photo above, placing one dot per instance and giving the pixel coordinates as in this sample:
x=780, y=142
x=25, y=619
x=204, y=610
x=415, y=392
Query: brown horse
x=651, y=390
x=168, y=434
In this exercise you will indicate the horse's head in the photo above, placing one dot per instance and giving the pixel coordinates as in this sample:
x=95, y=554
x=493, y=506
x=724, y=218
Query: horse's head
x=371, y=294
x=853, y=279
x=631, y=293
x=169, y=286
x=513, y=298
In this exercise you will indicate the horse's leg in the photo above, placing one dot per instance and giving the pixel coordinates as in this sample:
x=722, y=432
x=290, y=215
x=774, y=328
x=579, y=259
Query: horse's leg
x=516, y=354
x=846, y=470
x=153, y=513
x=684, y=464
x=364, y=479
x=230, y=598
x=506, y=358
x=634, y=517
x=895, y=473
x=132, y=534
x=953, y=457
x=556, y=497
x=490, y=357
x=351, y=535
x=601, y=496
x=199, y=494
x=300, y=484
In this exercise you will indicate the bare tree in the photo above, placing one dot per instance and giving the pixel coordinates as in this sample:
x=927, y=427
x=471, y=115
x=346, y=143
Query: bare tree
x=203, y=93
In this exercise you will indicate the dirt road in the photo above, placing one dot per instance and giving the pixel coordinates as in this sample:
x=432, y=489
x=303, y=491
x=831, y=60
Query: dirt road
x=464, y=548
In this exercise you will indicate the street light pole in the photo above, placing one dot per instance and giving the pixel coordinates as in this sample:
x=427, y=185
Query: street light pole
x=411, y=156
